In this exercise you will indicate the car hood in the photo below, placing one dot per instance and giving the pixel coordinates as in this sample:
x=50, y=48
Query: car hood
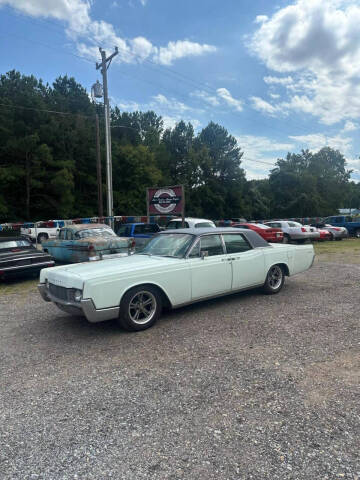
x=95, y=269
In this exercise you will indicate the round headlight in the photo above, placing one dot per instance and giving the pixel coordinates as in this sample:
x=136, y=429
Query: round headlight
x=77, y=295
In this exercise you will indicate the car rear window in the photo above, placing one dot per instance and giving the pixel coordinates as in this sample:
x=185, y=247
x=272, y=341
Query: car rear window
x=176, y=224
x=235, y=243
x=261, y=225
x=14, y=244
x=203, y=225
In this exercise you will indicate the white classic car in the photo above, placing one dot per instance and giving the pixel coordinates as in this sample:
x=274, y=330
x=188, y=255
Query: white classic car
x=176, y=267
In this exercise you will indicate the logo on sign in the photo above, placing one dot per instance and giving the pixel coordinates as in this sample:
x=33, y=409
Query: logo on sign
x=165, y=200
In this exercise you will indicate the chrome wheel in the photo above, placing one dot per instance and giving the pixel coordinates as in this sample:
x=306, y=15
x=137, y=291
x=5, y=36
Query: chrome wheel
x=142, y=307
x=275, y=277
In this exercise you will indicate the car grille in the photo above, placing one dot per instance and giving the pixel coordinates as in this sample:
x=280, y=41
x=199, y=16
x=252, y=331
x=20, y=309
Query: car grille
x=59, y=292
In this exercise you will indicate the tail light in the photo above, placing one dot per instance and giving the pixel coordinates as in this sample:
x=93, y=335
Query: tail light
x=29, y=230
x=133, y=243
x=303, y=229
x=92, y=252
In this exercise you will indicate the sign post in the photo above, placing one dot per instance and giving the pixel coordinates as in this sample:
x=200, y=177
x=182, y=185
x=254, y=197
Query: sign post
x=166, y=201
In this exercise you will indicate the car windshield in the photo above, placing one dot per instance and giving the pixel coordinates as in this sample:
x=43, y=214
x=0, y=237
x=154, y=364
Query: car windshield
x=168, y=245
x=14, y=244
x=95, y=232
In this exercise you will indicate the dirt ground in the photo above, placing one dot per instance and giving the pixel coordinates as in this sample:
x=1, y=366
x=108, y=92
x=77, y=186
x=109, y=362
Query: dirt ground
x=246, y=387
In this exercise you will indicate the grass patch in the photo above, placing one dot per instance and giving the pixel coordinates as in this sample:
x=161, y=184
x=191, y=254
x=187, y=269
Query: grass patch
x=346, y=251
x=18, y=286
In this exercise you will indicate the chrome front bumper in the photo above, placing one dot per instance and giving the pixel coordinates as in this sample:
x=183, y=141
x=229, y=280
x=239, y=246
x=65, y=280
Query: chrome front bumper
x=84, y=308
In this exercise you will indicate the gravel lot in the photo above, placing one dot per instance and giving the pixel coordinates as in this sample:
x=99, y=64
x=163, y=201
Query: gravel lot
x=244, y=387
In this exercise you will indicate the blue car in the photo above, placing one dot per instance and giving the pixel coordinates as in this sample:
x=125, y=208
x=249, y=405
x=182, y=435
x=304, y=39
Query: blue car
x=83, y=242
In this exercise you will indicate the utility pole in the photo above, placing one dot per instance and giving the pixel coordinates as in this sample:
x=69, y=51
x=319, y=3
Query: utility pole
x=104, y=65
x=98, y=168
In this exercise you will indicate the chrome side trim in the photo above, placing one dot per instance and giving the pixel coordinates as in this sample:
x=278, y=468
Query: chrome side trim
x=224, y=294
x=19, y=267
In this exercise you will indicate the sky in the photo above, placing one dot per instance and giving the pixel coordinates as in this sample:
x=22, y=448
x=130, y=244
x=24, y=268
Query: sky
x=279, y=76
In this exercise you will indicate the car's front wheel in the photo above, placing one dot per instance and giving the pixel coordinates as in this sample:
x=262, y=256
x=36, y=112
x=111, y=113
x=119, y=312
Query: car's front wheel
x=274, y=280
x=140, y=308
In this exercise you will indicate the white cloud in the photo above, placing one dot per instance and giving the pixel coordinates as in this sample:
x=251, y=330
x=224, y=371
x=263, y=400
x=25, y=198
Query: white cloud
x=261, y=154
x=261, y=18
x=318, y=41
x=274, y=95
x=229, y=99
x=171, y=110
x=143, y=2
x=129, y=106
x=278, y=80
x=211, y=99
x=180, y=49
x=316, y=141
x=220, y=97
x=263, y=106
x=350, y=126
x=170, y=104
x=88, y=34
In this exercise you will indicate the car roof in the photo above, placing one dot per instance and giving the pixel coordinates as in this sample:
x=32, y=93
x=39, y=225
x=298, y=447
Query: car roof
x=255, y=239
x=85, y=226
x=192, y=219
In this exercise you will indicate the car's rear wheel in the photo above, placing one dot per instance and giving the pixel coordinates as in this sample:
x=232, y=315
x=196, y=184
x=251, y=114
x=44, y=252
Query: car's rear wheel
x=42, y=237
x=140, y=308
x=274, y=280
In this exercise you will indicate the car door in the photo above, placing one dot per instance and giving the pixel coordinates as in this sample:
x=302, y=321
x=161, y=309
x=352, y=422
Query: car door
x=66, y=246
x=248, y=264
x=211, y=272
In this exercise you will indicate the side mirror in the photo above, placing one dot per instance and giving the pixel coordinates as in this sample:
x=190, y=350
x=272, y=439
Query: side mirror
x=203, y=254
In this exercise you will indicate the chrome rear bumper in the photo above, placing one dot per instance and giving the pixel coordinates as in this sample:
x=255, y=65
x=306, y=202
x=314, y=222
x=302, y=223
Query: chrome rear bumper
x=84, y=308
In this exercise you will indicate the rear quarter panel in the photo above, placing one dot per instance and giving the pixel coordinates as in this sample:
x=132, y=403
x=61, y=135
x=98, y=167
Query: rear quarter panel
x=298, y=258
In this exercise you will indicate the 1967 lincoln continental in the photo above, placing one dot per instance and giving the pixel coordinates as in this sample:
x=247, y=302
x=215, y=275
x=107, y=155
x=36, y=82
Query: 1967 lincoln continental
x=175, y=268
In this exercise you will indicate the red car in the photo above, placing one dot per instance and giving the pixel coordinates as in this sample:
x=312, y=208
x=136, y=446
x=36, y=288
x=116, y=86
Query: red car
x=273, y=235
x=324, y=235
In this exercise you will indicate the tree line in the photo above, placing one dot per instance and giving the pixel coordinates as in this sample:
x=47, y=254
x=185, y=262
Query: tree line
x=48, y=162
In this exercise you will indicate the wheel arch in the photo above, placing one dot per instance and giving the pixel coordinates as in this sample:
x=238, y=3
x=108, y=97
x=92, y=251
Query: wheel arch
x=283, y=265
x=161, y=290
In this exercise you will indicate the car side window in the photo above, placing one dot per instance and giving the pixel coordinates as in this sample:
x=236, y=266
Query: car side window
x=151, y=228
x=236, y=243
x=62, y=234
x=211, y=244
x=195, y=251
x=121, y=230
x=292, y=225
x=138, y=229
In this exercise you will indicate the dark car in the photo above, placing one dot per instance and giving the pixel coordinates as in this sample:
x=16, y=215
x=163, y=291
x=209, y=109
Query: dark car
x=18, y=257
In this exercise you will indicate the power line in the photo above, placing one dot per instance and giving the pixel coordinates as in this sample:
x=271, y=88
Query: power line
x=45, y=111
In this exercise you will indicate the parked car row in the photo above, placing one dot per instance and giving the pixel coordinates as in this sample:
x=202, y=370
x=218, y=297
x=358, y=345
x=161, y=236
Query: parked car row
x=74, y=243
